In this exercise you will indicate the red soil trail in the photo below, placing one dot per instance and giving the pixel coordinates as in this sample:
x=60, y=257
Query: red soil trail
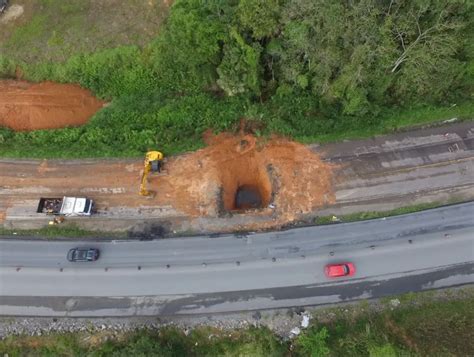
x=28, y=106
x=290, y=178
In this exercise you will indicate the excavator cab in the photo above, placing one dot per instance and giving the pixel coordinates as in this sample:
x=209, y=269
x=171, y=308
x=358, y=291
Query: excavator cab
x=153, y=163
x=156, y=165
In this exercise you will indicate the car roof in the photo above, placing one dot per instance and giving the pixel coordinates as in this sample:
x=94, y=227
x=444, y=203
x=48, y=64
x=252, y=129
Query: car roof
x=82, y=253
x=338, y=269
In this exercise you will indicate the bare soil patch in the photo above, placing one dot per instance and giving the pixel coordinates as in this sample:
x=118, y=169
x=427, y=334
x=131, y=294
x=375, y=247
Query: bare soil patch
x=283, y=178
x=13, y=12
x=28, y=106
x=235, y=173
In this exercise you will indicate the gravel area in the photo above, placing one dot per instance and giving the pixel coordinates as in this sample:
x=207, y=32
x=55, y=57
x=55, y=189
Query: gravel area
x=280, y=321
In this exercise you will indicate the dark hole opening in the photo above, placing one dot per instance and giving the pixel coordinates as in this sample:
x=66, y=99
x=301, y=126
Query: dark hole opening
x=248, y=197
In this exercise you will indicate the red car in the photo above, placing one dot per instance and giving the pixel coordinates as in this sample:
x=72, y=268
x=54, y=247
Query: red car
x=339, y=270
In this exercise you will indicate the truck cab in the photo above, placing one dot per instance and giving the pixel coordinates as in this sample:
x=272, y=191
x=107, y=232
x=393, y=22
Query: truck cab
x=76, y=206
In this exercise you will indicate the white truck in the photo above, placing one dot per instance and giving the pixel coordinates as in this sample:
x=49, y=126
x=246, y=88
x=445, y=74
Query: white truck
x=66, y=206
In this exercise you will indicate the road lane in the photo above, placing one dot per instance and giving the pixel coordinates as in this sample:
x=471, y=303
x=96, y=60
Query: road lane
x=231, y=248
x=92, y=280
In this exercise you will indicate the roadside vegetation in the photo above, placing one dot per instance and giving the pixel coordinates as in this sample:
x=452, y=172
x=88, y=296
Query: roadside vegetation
x=60, y=231
x=312, y=70
x=417, y=325
x=363, y=216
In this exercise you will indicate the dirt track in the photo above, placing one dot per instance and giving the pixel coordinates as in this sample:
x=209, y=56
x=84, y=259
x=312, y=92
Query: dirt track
x=47, y=105
x=429, y=165
x=289, y=177
x=197, y=191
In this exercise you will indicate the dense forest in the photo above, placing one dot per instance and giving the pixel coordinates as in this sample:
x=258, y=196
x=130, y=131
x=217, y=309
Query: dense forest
x=348, y=57
x=302, y=68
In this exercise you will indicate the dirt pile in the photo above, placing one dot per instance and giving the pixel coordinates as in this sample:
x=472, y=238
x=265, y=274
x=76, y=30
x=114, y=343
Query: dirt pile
x=28, y=106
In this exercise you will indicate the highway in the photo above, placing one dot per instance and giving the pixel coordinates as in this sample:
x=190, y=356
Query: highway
x=420, y=251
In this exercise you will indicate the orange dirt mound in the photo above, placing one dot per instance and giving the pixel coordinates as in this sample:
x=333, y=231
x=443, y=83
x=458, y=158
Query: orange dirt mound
x=28, y=106
x=285, y=174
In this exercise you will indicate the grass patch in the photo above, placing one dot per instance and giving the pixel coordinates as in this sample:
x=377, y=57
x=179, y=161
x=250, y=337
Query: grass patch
x=57, y=231
x=363, y=216
x=394, y=121
x=428, y=328
x=53, y=30
x=165, y=342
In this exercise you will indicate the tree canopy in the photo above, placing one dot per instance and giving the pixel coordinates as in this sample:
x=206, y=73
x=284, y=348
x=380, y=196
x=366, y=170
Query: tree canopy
x=353, y=56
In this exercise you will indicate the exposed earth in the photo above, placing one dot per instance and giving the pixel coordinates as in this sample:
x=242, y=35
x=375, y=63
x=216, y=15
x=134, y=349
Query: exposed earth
x=12, y=13
x=279, y=176
x=47, y=105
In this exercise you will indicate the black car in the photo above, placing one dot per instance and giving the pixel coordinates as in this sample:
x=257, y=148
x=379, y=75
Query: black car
x=83, y=255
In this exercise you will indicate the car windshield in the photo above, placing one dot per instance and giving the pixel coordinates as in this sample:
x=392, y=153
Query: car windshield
x=346, y=269
x=87, y=206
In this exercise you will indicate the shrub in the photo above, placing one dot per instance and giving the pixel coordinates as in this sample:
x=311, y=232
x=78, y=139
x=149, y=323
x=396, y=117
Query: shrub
x=313, y=343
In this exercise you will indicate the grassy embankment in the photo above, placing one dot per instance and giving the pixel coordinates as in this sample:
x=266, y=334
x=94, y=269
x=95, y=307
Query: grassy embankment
x=64, y=230
x=420, y=326
x=363, y=216
x=211, y=65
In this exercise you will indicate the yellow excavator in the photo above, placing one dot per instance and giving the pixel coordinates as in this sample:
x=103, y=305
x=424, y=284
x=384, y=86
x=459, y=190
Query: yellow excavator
x=153, y=163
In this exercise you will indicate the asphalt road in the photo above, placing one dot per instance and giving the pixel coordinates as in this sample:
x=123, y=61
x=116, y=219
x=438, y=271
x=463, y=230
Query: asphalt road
x=426, y=250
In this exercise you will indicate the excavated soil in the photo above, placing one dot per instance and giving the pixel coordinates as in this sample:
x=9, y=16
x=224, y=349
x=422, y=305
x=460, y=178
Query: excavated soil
x=28, y=106
x=236, y=173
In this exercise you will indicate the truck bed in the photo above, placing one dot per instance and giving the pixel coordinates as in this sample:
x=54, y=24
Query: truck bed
x=49, y=205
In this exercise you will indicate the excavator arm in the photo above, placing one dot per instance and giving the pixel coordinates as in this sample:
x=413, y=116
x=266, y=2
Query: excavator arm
x=152, y=163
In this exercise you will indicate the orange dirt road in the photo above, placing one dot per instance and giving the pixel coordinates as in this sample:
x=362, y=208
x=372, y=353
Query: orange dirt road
x=28, y=106
x=289, y=176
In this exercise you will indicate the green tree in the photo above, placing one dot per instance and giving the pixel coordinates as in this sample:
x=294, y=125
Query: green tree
x=362, y=55
x=429, y=36
x=239, y=71
x=186, y=54
x=261, y=17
